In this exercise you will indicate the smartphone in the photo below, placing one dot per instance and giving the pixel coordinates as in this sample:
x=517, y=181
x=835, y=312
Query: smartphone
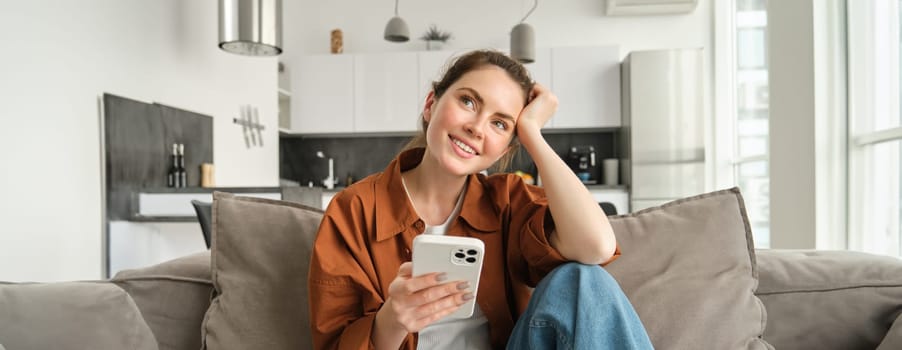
x=459, y=257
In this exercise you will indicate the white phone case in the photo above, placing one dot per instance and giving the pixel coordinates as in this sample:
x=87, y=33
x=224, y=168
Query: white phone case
x=459, y=257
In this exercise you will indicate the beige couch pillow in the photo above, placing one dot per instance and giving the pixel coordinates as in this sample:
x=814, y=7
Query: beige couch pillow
x=688, y=267
x=173, y=297
x=71, y=315
x=831, y=299
x=260, y=258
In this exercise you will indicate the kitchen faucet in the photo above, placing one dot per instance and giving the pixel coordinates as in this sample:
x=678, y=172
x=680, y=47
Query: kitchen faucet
x=329, y=182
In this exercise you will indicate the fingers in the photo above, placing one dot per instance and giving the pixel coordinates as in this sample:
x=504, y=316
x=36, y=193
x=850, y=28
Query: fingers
x=410, y=285
x=423, y=315
x=419, y=301
x=537, y=89
x=406, y=269
x=448, y=301
x=432, y=294
x=441, y=308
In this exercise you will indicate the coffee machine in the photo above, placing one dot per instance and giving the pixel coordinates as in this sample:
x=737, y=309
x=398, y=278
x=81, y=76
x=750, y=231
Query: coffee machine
x=582, y=161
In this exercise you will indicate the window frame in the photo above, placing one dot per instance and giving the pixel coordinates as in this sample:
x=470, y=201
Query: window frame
x=867, y=31
x=724, y=169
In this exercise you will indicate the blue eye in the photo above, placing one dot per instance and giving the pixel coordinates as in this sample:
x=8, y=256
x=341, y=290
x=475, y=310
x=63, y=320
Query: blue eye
x=467, y=101
x=500, y=125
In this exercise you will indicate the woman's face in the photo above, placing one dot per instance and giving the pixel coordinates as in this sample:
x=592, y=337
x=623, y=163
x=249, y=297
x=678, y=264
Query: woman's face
x=472, y=124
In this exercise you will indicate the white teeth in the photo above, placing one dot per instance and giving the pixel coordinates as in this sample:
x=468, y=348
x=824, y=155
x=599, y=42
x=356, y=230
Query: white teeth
x=464, y=146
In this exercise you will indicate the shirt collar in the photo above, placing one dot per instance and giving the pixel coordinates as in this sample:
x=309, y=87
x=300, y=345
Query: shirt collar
x=395, y=213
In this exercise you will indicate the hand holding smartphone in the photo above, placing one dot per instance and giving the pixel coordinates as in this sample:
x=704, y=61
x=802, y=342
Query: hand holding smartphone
x=459, y=257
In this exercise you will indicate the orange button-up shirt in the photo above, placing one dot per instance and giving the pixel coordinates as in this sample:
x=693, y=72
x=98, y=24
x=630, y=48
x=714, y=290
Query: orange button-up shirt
x=367, y=233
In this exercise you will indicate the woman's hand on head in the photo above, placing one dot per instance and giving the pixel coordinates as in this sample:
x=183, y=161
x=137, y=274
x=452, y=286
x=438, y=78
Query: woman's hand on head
x=416, y=302
x=538, y=111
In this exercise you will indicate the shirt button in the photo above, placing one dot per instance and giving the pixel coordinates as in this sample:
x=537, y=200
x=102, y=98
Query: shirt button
x=418, y=225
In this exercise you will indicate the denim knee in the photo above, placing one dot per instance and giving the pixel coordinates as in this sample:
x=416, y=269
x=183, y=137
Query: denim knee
x=575, y=273
x=579, y=306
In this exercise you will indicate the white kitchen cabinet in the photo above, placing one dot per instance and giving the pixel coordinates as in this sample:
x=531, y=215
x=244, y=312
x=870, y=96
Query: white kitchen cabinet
x=384, y=93
x=540, y=70
x=385, y=90
x=432, y=65
x=322, y=94
x=586, y=80
x=284, y=99
x=618, y=197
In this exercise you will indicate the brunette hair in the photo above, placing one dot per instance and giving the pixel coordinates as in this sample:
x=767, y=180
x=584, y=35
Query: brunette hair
x=468, y=62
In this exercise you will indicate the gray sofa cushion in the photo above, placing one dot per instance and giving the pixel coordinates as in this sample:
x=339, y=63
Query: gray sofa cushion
x=831, y=299
x=173, y=297
x=893, y=338
x=260, y=258
x=71, y=315
x=688, y=267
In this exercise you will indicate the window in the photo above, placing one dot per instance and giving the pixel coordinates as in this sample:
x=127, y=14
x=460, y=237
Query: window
x=749, y=160
x=875, y=126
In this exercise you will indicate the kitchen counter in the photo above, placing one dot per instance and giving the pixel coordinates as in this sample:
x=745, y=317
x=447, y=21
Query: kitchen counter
x=210, y=189
x=168, y=204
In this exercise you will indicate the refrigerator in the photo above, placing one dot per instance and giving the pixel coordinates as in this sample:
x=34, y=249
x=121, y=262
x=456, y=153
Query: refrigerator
x=663, y=125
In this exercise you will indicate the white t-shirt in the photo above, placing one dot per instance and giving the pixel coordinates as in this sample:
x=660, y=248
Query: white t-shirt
x=468, y=333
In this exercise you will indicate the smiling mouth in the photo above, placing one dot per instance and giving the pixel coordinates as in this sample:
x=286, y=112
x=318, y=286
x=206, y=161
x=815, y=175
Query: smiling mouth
x=463, y=146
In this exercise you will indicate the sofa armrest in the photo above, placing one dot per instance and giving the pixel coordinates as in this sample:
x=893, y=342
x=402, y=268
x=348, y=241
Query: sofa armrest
x=71, y=315
x=173, y=296
x=828, y=299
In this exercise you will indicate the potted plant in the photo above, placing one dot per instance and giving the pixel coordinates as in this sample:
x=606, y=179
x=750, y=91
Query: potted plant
x=435, y=38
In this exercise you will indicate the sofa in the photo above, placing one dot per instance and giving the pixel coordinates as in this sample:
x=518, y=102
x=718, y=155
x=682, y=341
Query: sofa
x=689, y=267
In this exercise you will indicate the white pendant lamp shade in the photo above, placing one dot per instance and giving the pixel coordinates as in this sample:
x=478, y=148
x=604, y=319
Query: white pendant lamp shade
x=523, y=43
x=523, y=39
x=396, y=30
x=251, y=27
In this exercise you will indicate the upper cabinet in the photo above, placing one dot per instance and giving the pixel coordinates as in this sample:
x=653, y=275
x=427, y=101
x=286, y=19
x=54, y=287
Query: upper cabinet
x=431, y=66
x=384, y=93
x=540, y=70
x=586, y=81
x=322, y=92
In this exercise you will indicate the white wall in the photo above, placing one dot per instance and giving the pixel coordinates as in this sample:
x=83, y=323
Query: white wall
x=57, y=58
x=487, y=23
x=807, y=124
x=791, y=128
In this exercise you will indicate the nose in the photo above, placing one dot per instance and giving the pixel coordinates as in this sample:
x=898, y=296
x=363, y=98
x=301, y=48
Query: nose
x=475, y=126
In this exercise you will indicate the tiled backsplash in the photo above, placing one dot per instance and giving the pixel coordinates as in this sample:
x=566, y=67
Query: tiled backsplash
x=362, y=156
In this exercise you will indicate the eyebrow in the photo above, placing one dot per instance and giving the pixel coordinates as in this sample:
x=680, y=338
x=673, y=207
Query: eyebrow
x=481, y=101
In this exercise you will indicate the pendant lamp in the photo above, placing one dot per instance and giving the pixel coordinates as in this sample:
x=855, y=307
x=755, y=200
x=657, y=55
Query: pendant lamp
x=251, y=27
x=523, y=39
x=396, y=29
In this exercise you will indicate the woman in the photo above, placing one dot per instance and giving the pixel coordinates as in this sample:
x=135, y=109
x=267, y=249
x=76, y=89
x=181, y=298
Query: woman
x=362, y=294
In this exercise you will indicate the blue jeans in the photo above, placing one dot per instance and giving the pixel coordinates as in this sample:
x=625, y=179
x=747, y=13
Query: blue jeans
x=579, y=306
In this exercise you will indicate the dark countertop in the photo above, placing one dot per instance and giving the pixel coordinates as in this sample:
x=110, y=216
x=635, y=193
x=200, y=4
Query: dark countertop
x=211, y=190
x=607, y=187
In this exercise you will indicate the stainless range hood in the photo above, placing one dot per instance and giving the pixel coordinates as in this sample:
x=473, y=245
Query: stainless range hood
x=251, y=27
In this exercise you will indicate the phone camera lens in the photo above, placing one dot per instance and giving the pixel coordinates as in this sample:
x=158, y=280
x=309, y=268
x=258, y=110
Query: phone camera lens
x=459, y=255
x=471, y=252
x=471, y=260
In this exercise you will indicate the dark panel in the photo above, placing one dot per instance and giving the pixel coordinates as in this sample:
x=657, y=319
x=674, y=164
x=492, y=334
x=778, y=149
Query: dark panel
x=195, y=131
x=362, y=156
x=138, y=138
x=605, y=144
x=355, y=156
